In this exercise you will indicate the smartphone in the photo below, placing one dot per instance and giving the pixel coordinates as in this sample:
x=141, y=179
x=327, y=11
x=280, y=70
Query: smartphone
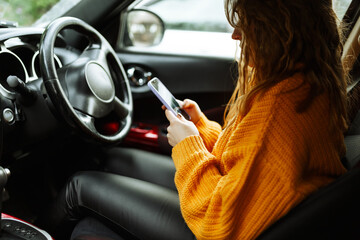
x=166, y=98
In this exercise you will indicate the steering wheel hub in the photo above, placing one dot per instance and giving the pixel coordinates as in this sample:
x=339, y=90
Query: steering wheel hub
x=99, y=82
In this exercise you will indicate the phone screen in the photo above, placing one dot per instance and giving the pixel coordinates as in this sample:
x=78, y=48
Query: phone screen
x=166, y=97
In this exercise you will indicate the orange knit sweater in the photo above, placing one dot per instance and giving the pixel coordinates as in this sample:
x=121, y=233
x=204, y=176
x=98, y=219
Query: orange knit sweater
x=235, y=183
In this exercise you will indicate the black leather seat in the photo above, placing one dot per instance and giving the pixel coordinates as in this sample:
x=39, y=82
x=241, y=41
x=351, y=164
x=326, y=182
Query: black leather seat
x=333, y=212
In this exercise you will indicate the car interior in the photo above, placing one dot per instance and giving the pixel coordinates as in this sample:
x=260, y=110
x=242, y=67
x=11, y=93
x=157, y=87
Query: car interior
x=57, y=119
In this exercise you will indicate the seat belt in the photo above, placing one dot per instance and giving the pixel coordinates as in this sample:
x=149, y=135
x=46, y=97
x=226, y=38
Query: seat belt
x=352, y=137
x=353, y=93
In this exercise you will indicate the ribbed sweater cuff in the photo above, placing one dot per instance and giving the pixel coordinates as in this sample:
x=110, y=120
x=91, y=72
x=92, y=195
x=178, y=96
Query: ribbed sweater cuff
x=209, y=130
x=189, y=152
x=205, y=123
x=201, y=123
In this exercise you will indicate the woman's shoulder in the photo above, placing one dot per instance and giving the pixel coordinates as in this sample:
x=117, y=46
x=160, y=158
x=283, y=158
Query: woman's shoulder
x=284, y=99
x=288, y=91
x=289, y=99
x=294, y=85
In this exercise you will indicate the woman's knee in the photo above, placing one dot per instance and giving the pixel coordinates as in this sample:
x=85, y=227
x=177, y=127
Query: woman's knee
x=136, y=164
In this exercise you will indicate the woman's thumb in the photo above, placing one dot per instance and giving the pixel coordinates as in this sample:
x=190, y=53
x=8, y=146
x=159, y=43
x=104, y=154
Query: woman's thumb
x=169, y=115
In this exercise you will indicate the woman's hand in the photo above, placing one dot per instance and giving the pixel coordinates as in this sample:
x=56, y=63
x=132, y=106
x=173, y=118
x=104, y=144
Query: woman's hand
x=179, y=128
x=191, y=107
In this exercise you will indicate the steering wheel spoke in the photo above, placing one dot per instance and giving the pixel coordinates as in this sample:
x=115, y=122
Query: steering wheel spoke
x=95, y=54
x=97, y=51
x=87, y=120
x=121, y=109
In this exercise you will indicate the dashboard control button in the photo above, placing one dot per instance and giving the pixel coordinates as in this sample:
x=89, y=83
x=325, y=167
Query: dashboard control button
x=8, y=116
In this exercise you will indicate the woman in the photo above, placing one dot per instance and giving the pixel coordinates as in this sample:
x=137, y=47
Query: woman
x=276, y=147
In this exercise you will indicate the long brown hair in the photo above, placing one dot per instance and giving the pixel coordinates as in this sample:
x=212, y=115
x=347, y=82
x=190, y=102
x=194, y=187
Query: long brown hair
x=281, y=35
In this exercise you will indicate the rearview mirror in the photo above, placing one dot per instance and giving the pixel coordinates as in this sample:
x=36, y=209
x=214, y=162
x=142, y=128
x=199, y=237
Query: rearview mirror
x=145, y=28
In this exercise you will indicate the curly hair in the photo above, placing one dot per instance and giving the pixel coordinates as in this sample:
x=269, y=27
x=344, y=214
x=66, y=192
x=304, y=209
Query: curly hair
x=283, y=37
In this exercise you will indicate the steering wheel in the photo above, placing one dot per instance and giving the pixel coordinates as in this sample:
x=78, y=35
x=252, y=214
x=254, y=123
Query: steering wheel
x=92, y=87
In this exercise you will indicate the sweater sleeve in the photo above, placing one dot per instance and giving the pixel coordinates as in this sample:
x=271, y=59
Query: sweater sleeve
x=209, y=131
x=239, y=193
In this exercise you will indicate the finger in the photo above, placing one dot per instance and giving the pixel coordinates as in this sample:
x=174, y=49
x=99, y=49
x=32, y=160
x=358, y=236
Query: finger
x=163, y=107
x=170, y=116
x=181, y=103
x=186, y=103
x=181, y=117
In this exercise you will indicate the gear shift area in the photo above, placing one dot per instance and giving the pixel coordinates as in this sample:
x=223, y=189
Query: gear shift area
x=13, y=228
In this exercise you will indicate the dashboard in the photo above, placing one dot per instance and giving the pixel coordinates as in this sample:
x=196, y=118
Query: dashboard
x=58, y=82
x=19, y=56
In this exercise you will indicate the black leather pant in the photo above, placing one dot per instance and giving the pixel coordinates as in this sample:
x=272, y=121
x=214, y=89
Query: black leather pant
x=136, y=197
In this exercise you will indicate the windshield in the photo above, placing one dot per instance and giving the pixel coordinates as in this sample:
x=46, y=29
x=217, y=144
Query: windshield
x=33, y=12
x=40, y=12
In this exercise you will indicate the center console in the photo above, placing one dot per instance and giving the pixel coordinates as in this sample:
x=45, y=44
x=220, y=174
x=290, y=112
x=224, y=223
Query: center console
x=13, y=228
x=16, y=229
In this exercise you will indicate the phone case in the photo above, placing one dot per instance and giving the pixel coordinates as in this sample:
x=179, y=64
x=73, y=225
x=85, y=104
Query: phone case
x=173, y=105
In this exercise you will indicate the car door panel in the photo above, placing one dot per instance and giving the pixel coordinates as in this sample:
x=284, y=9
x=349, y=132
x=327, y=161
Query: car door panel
x=208, y=81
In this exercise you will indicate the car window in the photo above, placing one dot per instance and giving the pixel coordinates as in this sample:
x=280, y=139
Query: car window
x=192, y=27
x=198, y=27
x=58, y=9
x=33, y=12
x=340, y=7
x=24, y=12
